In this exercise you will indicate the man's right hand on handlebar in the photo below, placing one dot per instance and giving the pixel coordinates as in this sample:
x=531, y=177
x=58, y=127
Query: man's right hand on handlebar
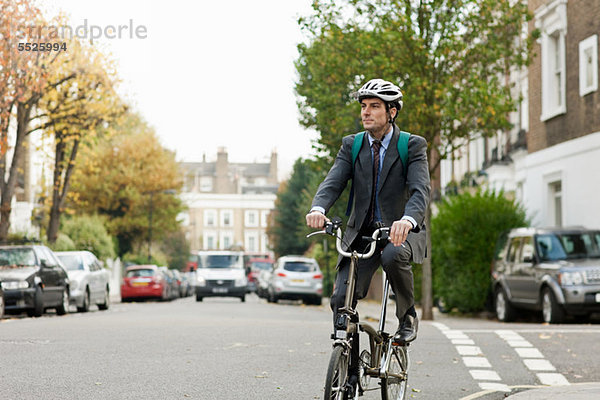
x=316, y=219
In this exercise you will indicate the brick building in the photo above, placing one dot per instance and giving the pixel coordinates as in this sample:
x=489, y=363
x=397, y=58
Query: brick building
x=229, y=203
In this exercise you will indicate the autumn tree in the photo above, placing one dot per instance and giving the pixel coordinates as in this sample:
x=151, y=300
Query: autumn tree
x=77, y=110
x=125, y=178
x=450, y=57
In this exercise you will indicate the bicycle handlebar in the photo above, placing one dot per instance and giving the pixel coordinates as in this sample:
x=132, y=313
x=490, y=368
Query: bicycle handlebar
x=334, y=228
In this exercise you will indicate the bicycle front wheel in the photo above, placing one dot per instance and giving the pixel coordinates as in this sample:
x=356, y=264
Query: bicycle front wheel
x=337, y=374
x=394, y=385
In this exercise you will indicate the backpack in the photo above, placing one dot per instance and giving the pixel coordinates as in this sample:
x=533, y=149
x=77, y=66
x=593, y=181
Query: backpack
x=356, y=146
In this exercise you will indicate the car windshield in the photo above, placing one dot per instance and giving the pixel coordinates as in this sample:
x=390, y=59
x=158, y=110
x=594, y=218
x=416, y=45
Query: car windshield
x=554, y=247
x=262, y=265
x=135, y=273
x=17, y=257
x=221, y=261
x=299, y=266
x=71, y=262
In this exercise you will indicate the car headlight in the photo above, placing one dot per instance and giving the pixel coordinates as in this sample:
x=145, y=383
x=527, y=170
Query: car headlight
x=200, y=281
x=570, y=278
x=15, y=285
x=241, y=281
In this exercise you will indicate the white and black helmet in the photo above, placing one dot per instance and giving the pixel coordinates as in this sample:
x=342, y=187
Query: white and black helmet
x=384, y=90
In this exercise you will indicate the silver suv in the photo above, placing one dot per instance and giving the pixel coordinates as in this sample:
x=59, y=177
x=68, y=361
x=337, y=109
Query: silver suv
x=554, y=270
x=296, y=278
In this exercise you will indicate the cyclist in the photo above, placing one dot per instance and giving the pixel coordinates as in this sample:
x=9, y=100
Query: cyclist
x=398, y=199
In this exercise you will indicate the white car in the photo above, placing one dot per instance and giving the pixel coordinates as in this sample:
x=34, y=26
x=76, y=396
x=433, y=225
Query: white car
x=221, y=273
x=89, y=280
x=296, y=278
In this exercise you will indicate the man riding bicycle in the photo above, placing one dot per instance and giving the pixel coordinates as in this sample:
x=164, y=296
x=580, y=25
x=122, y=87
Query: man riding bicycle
x=385, y=193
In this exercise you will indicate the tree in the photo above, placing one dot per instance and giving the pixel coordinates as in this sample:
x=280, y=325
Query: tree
x=75, y=111
x=88, y=233
x=450, y=57
x=287, y=233
x=118, y=177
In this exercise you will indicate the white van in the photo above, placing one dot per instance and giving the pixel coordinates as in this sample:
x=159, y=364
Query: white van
x=221, y=273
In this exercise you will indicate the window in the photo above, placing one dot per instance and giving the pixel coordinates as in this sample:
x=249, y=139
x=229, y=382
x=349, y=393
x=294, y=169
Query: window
x=210, y=218
x=226, y=240
x=206, y=184
x=227, y=218
x=252, y=218
x=210, y=241
x=251, y=241
x=555, y=203
x=588, y=65
x=527, y=250
x=515, y=244
x=551, y=20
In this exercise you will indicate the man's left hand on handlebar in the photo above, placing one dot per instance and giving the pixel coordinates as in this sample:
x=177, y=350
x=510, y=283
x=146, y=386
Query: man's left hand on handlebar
x=399, y=231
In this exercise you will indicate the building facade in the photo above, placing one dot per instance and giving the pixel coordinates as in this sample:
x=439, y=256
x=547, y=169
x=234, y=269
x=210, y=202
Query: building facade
x=549, y=160
x=229, y=203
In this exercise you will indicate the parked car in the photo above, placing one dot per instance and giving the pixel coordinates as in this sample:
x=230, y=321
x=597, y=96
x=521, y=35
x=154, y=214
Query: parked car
x=173, y=284
x=33, y=280
x=221, y=273
x=1, y=301
x=255, y=266
x=296, y=278
x=144, y=282
x=89, y=281
x=556, y=271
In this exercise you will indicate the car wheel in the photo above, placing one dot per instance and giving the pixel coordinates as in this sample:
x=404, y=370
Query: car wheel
x=504, y=310
x=63, y=308
x=106, y=304
x=86, y=302
x=1, y=306
x=272, y=298
x=243, y=299
x=38, y=304
x=198, y=298
x=552, y=312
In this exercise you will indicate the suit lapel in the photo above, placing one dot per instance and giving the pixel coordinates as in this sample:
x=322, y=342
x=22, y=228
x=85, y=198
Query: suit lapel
x=391, y=156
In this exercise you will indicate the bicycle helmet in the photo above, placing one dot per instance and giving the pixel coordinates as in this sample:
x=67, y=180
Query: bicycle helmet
x=384, y=90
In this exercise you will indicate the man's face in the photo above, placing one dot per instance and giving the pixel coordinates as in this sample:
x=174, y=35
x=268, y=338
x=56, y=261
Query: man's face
x=374, y=114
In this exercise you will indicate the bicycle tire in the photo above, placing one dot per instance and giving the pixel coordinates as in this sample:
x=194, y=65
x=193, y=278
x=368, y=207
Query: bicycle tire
x=337, y=374
x=393, y=388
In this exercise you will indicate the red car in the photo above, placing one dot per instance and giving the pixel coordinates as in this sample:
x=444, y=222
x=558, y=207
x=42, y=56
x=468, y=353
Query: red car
x=255, y=265
x=143, y=282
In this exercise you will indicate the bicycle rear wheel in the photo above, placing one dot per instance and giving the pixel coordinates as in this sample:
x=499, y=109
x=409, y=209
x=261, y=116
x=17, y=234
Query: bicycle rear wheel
x=394, y=386
x=337, y=374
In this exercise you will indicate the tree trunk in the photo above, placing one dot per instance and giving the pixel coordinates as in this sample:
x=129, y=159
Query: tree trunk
x=426, y=277
x=60, y=186
x=7, y=186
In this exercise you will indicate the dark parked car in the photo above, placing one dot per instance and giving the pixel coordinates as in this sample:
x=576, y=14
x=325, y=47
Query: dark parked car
x=556, y=271
x=33, y=280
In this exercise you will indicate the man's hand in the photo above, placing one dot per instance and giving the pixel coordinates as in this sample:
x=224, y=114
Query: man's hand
x=316, y=219
x=399, y=231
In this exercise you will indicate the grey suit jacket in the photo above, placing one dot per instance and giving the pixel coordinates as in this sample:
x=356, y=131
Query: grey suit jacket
x=397, y=196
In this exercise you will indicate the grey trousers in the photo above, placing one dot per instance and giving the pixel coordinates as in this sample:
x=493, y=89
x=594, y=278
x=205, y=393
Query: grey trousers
x=396, y=264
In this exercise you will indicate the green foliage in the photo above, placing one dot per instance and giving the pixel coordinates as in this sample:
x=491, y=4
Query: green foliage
x=177, y=249
x=63, y=243
x=287, y=234
x=88, y=233
x=446, y=55
x=464, y=234
x=158, y=258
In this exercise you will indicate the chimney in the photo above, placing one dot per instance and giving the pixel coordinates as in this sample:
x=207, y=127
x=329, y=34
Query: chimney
x=222, y=171
x=273, y=168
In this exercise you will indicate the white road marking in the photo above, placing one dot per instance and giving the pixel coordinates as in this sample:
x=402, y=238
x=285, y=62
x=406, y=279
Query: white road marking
x=484, y=375
x=463, y=341
x=519, y=343
x=476, y=362
x=552, y=379
x=469, y=350
x=538, y=365
x=455, y=335
x=525, y=352
x=498, y=387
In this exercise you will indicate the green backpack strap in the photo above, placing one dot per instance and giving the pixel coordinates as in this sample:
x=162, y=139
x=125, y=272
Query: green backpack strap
x=356, y=146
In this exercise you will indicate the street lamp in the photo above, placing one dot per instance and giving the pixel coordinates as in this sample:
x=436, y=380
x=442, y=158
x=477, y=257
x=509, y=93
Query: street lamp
x=151, y=193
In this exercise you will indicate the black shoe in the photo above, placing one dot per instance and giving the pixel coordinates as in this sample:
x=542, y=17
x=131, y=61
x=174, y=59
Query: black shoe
x=407, y=332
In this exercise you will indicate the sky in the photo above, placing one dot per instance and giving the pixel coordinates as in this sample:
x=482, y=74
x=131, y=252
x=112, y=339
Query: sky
x=208, y=74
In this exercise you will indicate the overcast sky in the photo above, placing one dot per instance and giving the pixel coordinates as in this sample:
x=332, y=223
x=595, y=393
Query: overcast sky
x=208, y=74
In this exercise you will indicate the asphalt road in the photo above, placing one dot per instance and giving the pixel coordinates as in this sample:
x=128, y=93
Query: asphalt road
x=224, y=349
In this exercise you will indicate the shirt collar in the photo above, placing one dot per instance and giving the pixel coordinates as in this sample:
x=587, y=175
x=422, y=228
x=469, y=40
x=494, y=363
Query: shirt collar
x=386, y=139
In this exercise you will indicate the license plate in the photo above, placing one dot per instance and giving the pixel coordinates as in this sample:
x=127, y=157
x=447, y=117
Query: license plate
x=597, y=297
x=219, y=290
x=140, y=283
x=298, y=280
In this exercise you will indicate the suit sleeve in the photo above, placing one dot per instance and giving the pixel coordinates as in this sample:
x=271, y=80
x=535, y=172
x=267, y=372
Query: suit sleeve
x=337, y=178
x=417, y=180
